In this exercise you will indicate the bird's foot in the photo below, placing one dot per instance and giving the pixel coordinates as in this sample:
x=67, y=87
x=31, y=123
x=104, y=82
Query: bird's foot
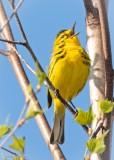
x=56, y=93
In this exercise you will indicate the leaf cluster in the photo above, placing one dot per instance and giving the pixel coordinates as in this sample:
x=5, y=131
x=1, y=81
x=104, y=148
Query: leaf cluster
x=95, y=145
x=18, y=143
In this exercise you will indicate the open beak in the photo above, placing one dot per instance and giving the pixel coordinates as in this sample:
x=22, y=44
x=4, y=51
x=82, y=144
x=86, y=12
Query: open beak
x=72, y=31
x=77, y=33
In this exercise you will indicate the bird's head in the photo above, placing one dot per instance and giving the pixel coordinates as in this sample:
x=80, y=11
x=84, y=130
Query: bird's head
x=65, y=37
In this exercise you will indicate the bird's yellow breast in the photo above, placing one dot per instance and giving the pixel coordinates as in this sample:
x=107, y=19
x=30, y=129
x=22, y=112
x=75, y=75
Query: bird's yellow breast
x=70, y=72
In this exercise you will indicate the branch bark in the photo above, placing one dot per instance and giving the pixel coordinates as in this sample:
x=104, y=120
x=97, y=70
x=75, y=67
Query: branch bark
x=98, y=45
x=24, y=82
x=95, y=51
x=108, y=71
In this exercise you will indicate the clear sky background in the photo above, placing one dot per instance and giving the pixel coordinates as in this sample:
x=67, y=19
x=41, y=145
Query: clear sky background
x=42, y=19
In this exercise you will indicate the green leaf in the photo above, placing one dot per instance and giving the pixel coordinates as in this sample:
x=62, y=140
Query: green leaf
x=31, y=112
x=18, y=144
x=96, y=145
x=40, y=75
x=5, y=130
x=84, y=118
x=105, y=106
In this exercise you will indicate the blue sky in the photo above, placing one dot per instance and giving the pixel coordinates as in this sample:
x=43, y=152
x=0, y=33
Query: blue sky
x=42, y=19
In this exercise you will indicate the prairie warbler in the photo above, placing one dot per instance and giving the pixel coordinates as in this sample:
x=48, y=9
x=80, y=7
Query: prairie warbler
x=68, y=71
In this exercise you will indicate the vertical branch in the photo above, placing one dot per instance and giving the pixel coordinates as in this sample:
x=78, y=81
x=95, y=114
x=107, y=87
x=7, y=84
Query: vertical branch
x=108, y=71
x=106, y=49
x=24, y=82
x=95, y=51
x=101, y=79
x=106, y=5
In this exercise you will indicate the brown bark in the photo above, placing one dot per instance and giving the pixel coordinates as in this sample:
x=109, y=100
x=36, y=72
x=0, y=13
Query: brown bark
x=98, y=45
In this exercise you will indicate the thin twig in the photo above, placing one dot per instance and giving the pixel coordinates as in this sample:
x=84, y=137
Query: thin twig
x=98, y=127
x=19, y=123
x=4, y=53
x=14, y=11
x=19, y=23
x=13, y=42
x=22, y=59
x=7, y=150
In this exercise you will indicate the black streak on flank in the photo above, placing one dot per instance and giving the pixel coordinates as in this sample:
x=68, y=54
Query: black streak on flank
x=86, y=63
x=61, y=46
x=61, y=57
x=58, y=52
x=85, y=57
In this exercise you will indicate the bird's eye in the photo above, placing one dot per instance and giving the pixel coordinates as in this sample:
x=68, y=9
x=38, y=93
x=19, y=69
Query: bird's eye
x=62, y=36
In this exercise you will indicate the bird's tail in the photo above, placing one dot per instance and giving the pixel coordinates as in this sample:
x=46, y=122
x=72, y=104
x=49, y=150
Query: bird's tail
x=57, y=133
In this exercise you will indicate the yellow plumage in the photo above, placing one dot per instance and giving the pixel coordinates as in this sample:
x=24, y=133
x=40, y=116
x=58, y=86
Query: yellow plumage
x=68, y=72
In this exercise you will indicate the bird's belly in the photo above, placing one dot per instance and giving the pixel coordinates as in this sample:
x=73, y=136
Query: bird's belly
x=69, y=76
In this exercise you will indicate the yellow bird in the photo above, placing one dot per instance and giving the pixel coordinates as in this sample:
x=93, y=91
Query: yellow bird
x=68, y=71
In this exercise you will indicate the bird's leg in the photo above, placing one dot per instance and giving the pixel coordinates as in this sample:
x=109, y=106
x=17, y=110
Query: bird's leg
x=56, y=92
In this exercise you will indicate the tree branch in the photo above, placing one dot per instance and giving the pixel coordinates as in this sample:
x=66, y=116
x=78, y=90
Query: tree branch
x=19, y=55
x=95, y=51
x=8, y=19
x=7, y=150
x=108, y=71
x=4, y=53
x=24, y=82
x=106, y=49
x=12, y=42
x=98, y=43
x=18, y=22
